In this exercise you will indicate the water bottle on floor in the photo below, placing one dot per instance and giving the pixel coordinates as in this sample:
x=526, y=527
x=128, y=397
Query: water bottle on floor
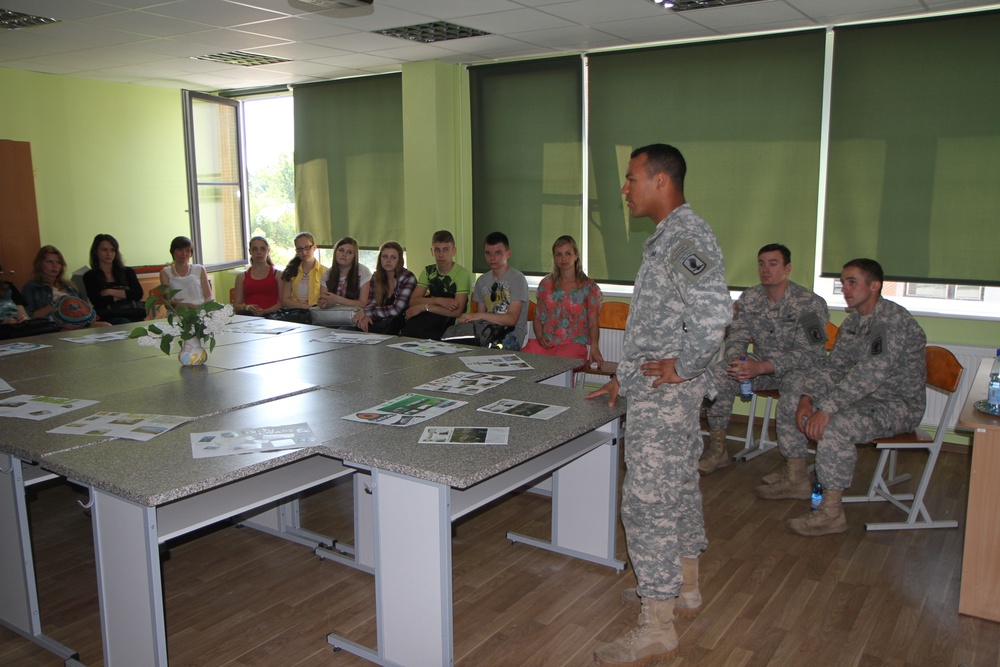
x=817, y=496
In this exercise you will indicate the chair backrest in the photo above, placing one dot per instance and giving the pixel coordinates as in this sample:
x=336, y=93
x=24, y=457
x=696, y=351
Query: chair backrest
x=943, y=369
x=531, y=310
x=831, y=335
x=613, y=315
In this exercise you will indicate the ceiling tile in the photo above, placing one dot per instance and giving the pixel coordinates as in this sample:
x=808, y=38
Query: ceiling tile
x=295, y=29
x=577, y=38
x=452, y=9
x=213, y=12
x=143, y=23
x=518, y=20
x=589, y=12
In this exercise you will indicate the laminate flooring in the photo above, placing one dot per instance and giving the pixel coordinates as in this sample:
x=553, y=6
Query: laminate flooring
x=236, y=597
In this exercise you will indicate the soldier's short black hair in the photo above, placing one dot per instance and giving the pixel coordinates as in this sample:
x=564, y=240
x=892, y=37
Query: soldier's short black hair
x=786, y=254
x=664, y=158
x=871, y=268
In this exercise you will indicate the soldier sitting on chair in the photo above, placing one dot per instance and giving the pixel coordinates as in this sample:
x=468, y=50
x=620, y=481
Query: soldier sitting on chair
x=787, y=324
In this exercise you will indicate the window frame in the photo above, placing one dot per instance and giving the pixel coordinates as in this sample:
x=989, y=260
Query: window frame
x=241, y=258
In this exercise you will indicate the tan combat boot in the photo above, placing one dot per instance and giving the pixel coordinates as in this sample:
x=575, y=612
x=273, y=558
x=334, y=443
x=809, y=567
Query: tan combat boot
x=652, y=639
x=827, y=519
x=794, y=483
x=688, y=603
x=715, y=455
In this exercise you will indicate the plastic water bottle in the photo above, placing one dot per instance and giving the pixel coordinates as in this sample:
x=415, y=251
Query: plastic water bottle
x=993, y=388
x=817, y=496
x=746, y=387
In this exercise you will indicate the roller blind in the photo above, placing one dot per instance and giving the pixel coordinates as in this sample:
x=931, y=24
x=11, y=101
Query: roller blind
x=349, y=159
x=746, y=115
x=527, y=138
x=914, y=168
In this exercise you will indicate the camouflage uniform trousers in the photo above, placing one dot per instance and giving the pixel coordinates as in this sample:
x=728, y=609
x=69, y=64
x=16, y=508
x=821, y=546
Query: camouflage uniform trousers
x=661, y=497
x=861, y=422
x=721, y=409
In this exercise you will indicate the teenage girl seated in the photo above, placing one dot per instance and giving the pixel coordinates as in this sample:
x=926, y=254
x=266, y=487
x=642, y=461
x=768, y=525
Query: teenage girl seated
x=301, y=279
x=190, y=279
x=347, y=283
x=258, y=288
x=385, y=311
x=112, y=287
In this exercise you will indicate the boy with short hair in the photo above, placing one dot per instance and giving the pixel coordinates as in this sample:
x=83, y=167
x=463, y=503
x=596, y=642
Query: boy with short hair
x=442, y=291
x=501, y=293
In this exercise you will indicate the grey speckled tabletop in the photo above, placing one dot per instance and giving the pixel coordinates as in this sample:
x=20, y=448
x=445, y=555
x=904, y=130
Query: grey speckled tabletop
x=286, y=390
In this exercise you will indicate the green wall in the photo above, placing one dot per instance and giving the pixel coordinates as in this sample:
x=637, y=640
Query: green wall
x=108, y=158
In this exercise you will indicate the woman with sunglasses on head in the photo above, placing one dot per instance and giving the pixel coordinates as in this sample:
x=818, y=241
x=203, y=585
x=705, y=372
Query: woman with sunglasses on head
x=48, y=295
x=112, y=287
x=566, y=316
x=257, y=291
x=394, y=284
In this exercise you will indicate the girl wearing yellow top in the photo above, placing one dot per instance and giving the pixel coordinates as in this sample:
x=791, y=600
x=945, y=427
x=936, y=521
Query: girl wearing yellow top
x=300, y=281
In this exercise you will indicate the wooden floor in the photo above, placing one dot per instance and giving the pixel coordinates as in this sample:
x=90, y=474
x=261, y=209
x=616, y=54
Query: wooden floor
x=236, y=597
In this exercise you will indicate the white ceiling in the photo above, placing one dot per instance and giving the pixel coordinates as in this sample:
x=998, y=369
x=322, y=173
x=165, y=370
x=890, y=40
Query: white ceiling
x=153, y=42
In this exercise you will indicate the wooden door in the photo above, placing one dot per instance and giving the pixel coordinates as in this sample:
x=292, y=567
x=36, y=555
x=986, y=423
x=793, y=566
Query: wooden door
x=19, y=237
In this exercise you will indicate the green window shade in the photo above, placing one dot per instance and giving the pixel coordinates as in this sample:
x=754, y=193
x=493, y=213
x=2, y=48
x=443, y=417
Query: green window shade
x=745, y=113
x=914, y=175
x=527, y=139
x=349, y=159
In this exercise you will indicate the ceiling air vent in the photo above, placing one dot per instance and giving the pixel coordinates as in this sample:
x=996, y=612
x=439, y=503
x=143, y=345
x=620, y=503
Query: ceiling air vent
x=241, y=58
x=439, y=31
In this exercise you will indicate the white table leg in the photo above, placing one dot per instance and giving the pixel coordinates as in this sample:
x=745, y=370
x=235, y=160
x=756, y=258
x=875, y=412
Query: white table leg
x=128, y=582
x=18, y=594
x=413, y=592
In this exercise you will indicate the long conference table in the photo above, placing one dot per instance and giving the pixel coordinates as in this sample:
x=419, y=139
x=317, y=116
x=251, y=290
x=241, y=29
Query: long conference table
x=406, y=495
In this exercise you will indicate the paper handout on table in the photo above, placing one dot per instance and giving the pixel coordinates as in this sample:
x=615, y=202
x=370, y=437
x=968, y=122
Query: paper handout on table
x=405, y=410
x=464, y=435
x=30, y=406
x=4, y=387
x=496, y=363
x=516, y=408
x=98, y=337
x=270, y=327
x=467, y=384
x=127, y=425
x=251, y=440
x=351, y=338
x=429, y=348
x=16, y=348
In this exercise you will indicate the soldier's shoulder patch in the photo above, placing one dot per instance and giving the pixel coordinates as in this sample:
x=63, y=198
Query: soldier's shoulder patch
x=691, y=262
x=814, y=328
x=876, y=341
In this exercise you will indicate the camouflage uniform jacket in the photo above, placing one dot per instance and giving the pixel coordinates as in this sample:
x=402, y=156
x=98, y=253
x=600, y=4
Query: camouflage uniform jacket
x=881, y=358
x=680, y=305
x=790, y=334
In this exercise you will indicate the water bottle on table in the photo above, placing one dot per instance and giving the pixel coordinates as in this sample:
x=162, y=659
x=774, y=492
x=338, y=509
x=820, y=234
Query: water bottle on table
x=993, y=388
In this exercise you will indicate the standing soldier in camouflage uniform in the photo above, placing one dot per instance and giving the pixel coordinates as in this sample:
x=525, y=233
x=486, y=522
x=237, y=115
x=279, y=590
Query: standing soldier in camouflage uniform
x=787, y=325
x=680, y=308
x=872, y=386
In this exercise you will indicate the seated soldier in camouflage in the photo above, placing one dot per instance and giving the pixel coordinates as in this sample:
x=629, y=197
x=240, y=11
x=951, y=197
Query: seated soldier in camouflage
x=787, y=325
x=872, y=386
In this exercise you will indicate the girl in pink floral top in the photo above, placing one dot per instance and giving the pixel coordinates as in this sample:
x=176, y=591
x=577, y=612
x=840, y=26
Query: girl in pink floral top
x=566, y=315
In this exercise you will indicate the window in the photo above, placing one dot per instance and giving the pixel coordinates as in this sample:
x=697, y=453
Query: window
x=215, y=180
